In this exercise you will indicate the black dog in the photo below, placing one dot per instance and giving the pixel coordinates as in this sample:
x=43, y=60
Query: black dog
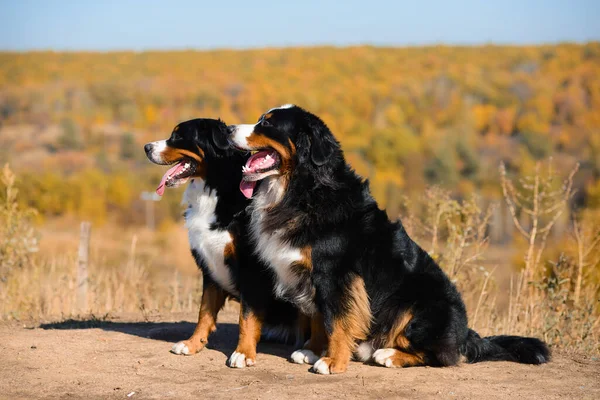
x=338, y=257
x=217, y=227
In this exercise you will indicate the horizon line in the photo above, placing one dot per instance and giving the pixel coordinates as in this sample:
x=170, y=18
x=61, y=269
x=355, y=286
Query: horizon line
x=300, y=46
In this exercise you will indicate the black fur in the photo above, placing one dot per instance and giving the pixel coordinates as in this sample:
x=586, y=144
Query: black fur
x=326, y=206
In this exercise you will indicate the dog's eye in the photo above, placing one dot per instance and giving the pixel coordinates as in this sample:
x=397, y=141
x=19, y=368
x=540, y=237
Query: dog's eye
x=265, y=122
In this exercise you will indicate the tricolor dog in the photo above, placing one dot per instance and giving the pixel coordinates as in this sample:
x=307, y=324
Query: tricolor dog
x=339, y=258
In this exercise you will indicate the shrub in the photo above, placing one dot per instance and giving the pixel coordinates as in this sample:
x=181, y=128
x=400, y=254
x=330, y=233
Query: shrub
x=18, y=237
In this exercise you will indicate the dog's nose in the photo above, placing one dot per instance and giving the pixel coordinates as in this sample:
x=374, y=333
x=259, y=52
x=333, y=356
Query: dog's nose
x=148, y=148
x=230, y=129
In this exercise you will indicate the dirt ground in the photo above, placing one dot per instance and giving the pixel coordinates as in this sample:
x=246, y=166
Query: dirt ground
x=121, y=359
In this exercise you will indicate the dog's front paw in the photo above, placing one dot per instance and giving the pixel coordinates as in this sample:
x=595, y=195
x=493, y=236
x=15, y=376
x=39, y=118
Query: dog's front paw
x=304, y=356
x=328, y=365
x=240, y=360
x=187, y=347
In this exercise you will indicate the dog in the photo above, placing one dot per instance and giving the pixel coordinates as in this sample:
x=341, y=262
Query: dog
x=199, y=152
x=338, y=257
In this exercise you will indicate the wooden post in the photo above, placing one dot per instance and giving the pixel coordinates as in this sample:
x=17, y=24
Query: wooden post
x=82, y=267
x=175, y=305
x=134, y=240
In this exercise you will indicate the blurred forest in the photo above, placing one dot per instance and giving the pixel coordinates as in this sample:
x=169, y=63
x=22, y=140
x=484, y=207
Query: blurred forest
x=72, y=125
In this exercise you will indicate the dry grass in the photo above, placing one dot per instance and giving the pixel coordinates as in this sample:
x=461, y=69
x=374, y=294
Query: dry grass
x=117, y=282
x=551, y=299
x=18, y=239
x=130, y=270
x=554, y=300
x=153, y=272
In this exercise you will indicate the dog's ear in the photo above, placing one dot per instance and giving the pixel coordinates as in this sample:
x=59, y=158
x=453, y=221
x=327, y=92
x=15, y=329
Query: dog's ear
x=322, y=141
x=219, y=135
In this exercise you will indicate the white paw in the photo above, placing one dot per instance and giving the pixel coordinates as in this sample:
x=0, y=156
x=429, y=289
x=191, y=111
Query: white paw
x=304, y=356
x=321, y=367
x=180, y=348
x=383, y=357
x=238, y=360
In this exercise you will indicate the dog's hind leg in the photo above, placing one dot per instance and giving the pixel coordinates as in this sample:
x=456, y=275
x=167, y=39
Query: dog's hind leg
x=349, y=323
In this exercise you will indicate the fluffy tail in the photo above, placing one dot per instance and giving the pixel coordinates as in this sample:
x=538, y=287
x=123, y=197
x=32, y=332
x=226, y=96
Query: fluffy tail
x=519, y=349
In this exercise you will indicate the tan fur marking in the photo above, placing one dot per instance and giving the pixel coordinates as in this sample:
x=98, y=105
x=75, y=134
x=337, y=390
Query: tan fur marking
x=339, y=349
x=259, y=141
x=250, y=328
x=306, y=261
x=402, y=359
x=267, y=116
x=351, y=327
x=358, y=319
x=402, y=342
x=396, y=337
x=176, y=128
x=292, y=147
x=212, y=301
x=318, y=337
x=229, y=250
x=171, y=155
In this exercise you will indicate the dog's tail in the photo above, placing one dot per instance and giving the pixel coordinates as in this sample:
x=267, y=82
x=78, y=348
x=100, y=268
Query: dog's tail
x=525, y=350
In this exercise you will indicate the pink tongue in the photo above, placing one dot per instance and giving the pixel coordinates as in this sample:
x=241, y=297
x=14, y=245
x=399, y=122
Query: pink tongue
x=160, y=190
x=247, y=188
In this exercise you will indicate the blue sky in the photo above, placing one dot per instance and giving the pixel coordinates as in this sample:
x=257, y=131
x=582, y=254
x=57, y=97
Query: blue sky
x=151, y=24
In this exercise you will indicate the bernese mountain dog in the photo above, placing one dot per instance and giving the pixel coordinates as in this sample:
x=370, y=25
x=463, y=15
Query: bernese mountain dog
x=199, y=152
x=338, y=257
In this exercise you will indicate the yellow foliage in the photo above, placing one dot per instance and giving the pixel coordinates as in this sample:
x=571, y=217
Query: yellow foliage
x=394, y=116
x=385, y=185
x=150, y=114
x=483, y=114
x=394, y=108
x=505, y=120
x=119, y=192
x=530, y=122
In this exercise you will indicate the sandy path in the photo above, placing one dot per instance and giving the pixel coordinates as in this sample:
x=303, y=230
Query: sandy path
x=118, y=358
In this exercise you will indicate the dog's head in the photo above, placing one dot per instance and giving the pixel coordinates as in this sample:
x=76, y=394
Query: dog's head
x=191, y=144
x=284, y=139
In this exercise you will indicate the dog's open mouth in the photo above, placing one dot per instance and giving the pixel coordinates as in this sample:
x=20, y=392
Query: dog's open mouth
x=259, y=166
x=177, y=175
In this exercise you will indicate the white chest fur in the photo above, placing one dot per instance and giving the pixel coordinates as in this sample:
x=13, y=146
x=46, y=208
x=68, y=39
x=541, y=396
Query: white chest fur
x=209, y=243
x=277, y=253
